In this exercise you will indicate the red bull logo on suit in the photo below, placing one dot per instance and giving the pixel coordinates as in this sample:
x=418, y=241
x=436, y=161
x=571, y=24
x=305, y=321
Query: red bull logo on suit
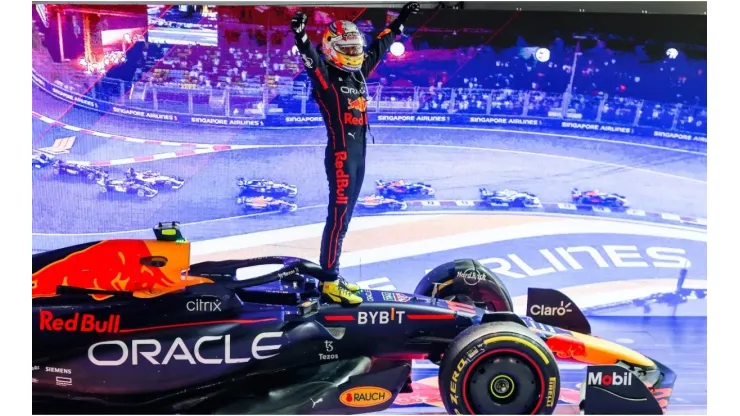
x=342, y=178
x=358, y=104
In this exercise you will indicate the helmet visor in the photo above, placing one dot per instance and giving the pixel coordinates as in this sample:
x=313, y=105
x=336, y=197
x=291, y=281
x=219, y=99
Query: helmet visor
x=350, y=49
x=351, y=44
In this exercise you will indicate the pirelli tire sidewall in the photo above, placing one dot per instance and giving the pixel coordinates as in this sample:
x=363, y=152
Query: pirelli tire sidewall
x=475, y=343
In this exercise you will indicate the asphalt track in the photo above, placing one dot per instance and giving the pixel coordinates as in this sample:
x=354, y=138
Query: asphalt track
x=455, y=162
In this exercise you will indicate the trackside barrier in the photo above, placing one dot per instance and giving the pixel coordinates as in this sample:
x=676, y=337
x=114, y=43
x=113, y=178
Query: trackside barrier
x=559, y=207
x=309, y=120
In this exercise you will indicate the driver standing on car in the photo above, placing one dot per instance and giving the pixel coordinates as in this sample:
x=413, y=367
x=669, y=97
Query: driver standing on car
x=339, y=87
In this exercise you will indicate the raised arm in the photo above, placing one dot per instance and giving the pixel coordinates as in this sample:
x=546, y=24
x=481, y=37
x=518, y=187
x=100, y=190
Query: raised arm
x=380, y=45
x=315, y=66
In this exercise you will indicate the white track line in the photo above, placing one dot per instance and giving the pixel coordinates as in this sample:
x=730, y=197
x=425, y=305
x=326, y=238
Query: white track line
x=533, y=133
x=442, y=146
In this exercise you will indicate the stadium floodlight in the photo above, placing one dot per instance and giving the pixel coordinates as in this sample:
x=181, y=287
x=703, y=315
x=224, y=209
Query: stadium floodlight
x=542, y=54
x=397, y=49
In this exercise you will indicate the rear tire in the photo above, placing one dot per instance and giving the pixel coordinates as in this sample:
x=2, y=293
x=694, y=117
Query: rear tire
x=499, y=368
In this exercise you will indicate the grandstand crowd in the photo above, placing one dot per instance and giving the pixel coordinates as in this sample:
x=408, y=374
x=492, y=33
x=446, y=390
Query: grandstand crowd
x=609, y=86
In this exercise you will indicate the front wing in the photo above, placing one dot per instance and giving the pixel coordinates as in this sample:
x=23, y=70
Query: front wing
x=612, y=390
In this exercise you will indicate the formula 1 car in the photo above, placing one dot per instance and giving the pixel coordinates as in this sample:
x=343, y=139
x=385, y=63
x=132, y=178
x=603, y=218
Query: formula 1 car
x=155, y=180
x=266, y=203
x=266, y=188
x=91, y=173
x=401, y=189
x=40, y=160
x=127, y=186
x=509, y=198
x=596, y=197
x=380, y=203
x=130, y=326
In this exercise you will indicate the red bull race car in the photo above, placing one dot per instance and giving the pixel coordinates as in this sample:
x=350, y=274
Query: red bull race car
x=266, y=203
x=380, y=203
x=596, y=197
x=130, y=326
x=401, y=189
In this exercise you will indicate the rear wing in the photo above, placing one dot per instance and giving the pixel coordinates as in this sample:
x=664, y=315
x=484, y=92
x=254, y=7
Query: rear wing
x=551, y=307
x=614, y=390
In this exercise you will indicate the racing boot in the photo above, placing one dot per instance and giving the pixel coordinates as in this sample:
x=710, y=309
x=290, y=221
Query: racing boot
x=350, y=286
x=336, y=291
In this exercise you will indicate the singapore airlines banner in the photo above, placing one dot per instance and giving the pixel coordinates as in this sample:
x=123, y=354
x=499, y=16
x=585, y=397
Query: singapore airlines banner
x=675, y=137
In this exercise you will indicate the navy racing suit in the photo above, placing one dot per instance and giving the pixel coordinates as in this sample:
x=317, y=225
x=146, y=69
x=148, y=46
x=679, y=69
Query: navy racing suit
x=341, y=97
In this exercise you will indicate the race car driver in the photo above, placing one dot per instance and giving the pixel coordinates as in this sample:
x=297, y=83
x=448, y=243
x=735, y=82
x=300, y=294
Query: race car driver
x=338, y=76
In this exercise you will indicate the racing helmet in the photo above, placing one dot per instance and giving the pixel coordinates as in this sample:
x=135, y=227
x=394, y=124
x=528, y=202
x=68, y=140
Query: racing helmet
x=343, y=46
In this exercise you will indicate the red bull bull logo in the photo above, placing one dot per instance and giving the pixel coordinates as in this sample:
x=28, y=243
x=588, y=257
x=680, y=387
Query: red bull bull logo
x=119, y=266
x=566, y=347
x=79, y=322
x=359, y=104
x=342, y=178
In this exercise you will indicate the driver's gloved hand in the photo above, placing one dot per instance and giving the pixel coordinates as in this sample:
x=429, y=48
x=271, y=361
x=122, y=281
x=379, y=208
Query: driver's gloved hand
x=408, y=9
x=298, y=24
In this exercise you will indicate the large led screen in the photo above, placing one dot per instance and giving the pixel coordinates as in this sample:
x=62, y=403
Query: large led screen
x=560, y=150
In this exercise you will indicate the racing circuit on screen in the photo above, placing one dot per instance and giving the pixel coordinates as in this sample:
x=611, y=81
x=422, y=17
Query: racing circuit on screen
x=564, y=151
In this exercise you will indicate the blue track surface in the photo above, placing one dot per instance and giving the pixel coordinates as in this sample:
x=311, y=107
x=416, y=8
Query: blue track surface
x=455, y=162
x=405, y=272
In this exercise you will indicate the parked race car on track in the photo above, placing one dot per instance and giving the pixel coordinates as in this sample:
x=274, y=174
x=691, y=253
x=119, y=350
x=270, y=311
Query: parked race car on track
x=401, y=189
x=509, y=198
x=266, y=188
x=91, y=173
x=380, y=203
x=596, y=197
x=127, y=186
x=155, y=179
x=40, y=160
x=266, y=203
x=127, y=342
